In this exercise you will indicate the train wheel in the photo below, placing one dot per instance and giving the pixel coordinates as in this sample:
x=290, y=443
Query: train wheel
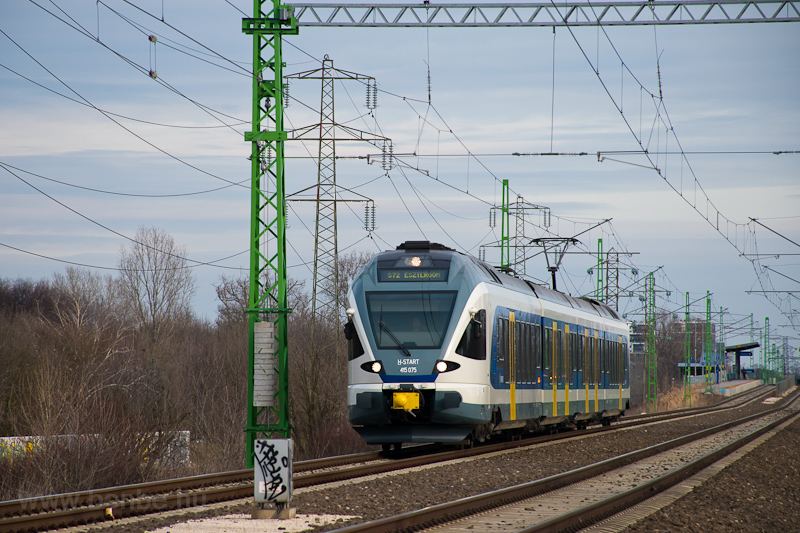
x=386, y=448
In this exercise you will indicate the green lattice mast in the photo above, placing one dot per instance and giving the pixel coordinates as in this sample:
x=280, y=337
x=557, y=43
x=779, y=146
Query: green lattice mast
x=600, y=277
x=268, y=379
x=687, y=346
x=707, y=347
x=505, y=230
x=767, y=361
x=651, y=362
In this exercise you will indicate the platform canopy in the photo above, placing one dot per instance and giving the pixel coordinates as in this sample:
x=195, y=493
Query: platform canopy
x=738, y=349
x=741, y=347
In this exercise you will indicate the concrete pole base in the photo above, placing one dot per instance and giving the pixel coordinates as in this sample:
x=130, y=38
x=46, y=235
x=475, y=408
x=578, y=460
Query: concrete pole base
x=280, y=513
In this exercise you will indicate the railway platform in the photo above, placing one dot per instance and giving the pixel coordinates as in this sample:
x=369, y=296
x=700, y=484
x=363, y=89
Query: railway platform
x=736, y=386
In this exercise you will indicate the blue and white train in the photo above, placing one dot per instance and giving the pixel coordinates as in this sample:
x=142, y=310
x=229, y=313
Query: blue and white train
x=445, y=348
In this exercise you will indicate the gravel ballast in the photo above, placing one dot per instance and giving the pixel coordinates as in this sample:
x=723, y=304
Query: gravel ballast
x=394, y=494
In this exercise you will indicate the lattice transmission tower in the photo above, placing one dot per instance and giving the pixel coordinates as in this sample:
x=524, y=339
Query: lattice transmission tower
x=325, y=294
x=514, y=214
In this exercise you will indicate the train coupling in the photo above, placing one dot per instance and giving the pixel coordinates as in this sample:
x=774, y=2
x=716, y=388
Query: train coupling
x=406, y=398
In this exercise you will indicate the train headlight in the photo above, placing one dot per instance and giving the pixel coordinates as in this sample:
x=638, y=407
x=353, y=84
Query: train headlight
x=376, y=367
x=441, y=367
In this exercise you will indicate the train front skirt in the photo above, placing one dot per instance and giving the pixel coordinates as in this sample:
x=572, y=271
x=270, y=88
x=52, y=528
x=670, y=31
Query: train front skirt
x=394, y=434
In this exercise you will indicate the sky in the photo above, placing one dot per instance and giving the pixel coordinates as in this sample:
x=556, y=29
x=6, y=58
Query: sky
x=76, y=184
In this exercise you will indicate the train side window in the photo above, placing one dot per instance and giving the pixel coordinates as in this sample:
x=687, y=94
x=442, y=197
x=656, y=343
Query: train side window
x=354, y=347
x=473, y=341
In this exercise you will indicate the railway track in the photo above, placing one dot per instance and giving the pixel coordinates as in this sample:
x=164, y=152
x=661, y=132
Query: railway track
x=578, y=498
x=60, y=510
x=148, y=498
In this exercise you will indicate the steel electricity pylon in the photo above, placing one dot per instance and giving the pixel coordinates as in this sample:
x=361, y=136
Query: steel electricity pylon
x=267, y=310
x=325, y=293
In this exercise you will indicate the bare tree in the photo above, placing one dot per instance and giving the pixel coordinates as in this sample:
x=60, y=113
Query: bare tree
x=233, y=294
x=318, y=372
x=156, y=281
x=349, y=265
x=670, y=351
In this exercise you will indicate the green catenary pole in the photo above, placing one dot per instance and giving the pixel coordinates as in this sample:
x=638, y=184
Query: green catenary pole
x=707, y=347
x=767, y=365
x=651, y=360
x=600, y=277
x=267, y=413
x=505, y=245
x=687, y=341
x=721, y=357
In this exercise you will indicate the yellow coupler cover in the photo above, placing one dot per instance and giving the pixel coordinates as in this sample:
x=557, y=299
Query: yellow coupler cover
x=405, y=400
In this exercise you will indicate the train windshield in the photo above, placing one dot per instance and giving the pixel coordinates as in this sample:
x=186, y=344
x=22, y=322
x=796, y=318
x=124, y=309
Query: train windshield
x=403, y=320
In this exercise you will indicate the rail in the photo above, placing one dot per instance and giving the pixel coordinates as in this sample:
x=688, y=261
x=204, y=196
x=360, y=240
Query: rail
x=145, y=498
x=450, y=511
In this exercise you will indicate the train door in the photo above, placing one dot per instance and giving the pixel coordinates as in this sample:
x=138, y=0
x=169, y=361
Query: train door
x=618, y=368
x=512, y=357
x=596, y=370
x=507, y=367
x=585, y=362
x=559, y=369
x=569, y=354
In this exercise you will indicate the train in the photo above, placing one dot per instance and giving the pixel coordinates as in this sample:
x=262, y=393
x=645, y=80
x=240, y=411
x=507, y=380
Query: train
x=445, y=348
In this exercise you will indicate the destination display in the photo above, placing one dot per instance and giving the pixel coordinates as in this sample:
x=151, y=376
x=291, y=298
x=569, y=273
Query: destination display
x=417, y=274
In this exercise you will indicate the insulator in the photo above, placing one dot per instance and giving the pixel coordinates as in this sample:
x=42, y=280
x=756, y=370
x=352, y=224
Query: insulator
x=372, y=94
x=265, y=157
x=387, y=161
x=369, y=218
x=482, y=253
x=286, y=99
x=492, y=218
